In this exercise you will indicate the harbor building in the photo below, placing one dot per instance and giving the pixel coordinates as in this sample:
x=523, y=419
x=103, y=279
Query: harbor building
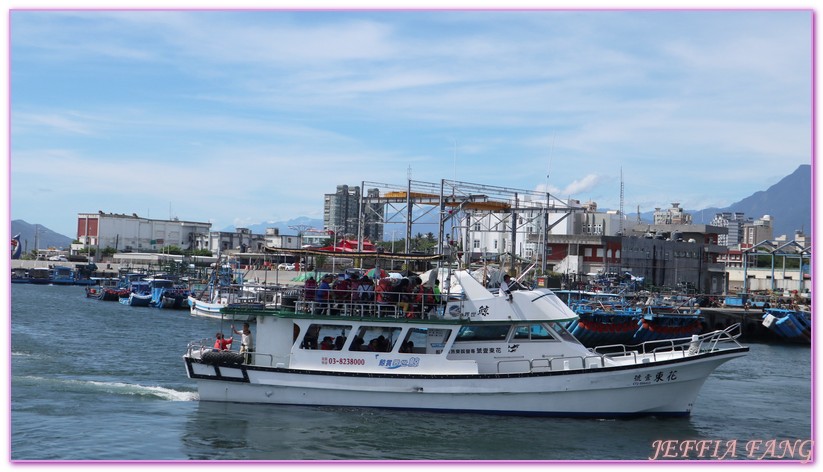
x=273, y=238
x=492, y=233
x=240, y=240
x=581, y=241
x=775, y=265
x=132, y=233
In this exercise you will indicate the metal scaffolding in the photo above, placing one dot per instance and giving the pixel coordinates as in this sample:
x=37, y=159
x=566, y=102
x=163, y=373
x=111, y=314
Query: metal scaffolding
x=453, y=200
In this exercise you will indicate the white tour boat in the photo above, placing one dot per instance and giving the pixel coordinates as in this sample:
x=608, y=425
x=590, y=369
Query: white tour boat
x=481, y=353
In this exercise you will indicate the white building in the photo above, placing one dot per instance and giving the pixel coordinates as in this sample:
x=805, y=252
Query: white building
x=241, y=240
x=131, y=233
x=285, y=241
x=489, y=235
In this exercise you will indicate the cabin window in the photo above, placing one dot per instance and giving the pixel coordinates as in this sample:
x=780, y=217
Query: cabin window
x=473, y=333
x=375, y=339
x=561, y=331
x=325, y=337
x=425, y=341
x=533, y=332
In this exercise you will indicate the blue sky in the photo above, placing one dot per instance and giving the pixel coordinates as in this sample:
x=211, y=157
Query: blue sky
x=240, y=117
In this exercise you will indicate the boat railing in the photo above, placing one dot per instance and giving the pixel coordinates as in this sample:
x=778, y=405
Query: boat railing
x=360, y=309
x=369, y=309
x=551, y=364
x=708, y=342
x=196, y=346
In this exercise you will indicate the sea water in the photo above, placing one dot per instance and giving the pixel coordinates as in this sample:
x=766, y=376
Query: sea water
x=100, y=381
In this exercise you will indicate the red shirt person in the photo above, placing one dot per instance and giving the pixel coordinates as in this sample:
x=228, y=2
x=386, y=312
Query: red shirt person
x=221, y=343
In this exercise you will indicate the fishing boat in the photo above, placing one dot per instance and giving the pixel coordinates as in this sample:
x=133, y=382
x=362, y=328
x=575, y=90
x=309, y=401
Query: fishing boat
x=609, y=318
x=480, y=353
x=138, y=295
x=226, y=289
x=232, y=296
x=20, y=275
x=112, y=294
x=790, y=325
x=62, y=275
x=40, y=275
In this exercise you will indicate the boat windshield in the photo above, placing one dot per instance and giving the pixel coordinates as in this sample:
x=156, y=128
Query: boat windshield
x=532, y=332
x=561, y=331
x=483, y=333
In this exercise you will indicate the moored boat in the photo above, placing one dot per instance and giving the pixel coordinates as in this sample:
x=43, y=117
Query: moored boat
x=109, y=294
x=62, y=275
x=20, y=275
x=226, y=297
x=790, y=325
x=138, y=295
x=480, y=353
x=40, y=275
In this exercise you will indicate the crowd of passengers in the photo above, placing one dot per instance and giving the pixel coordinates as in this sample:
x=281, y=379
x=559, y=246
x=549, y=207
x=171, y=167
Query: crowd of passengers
x=413, y=297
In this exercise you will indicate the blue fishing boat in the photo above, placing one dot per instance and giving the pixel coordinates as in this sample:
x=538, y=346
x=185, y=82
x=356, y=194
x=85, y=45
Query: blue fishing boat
x=62, y=275
x=608, y=318
x=791, y=325
x=139, y=295
x=660, y=326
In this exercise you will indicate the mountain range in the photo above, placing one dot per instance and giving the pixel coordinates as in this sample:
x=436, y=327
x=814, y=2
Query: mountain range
x=38, y=236
x=789, y=202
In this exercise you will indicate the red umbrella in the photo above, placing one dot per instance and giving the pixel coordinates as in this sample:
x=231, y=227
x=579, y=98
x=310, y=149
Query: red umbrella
x=377, y=273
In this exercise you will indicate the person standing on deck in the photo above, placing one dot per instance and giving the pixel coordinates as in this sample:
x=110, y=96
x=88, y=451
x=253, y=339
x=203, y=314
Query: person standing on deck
x=309, y=289
x=323, y=293
x=246, y=341
x=505, y=287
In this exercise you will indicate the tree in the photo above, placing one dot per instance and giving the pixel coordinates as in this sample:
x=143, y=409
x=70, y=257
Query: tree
x=171, y=249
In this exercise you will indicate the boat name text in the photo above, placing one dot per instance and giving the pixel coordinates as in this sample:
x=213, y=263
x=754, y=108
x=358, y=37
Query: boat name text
x=661, y=376
x=397, y=363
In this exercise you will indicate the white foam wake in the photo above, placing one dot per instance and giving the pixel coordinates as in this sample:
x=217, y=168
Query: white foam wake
x=144, y=390
x=118, y=388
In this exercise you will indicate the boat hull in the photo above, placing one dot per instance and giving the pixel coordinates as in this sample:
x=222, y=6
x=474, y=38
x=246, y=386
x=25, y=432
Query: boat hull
x=667, y=388
x=213, y=310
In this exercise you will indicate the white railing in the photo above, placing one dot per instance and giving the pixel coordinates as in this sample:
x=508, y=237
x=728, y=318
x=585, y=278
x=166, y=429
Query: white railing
x=642, y=353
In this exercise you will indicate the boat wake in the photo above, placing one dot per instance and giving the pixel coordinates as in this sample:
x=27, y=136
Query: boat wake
x=120, y=388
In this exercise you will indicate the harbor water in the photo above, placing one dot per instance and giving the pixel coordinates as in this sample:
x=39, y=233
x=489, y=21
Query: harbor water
x=101, y=381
